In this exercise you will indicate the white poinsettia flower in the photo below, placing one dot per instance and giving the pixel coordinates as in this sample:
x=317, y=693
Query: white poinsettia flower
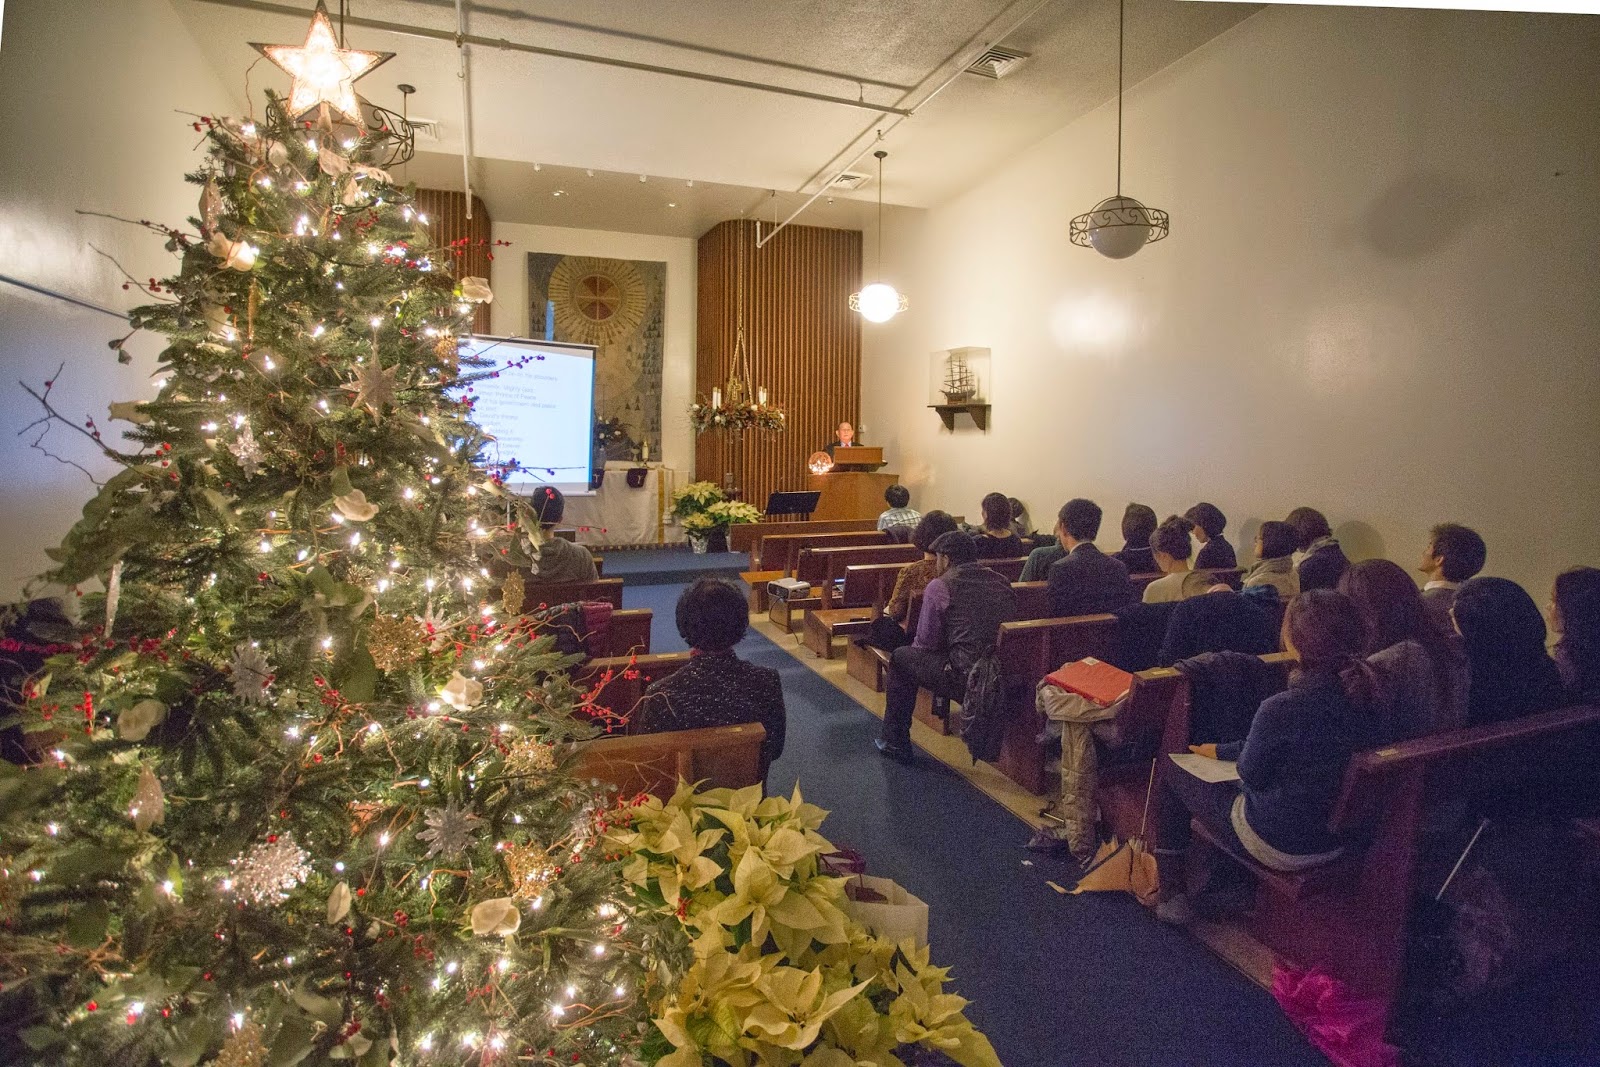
x=477, y=290
x=130, y=411
x=496, y=918
x=235, y=255
x=135, y=722
x=338, y=903
x=354, y=506
x=461, y=692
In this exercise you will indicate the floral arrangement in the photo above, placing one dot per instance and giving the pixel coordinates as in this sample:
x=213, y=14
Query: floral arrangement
x=705, y=415
x=702, y=506
x=782, y=975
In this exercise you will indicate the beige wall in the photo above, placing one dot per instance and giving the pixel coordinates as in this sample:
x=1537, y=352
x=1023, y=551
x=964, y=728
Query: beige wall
x=1378, y=297
x=508, y=277
x=91, y=91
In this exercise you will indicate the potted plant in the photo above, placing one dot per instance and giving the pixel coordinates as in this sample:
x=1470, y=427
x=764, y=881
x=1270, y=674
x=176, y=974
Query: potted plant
x=705, y=513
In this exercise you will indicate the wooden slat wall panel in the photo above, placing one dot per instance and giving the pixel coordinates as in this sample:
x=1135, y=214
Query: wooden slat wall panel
x=804, y=342
x=447, y=222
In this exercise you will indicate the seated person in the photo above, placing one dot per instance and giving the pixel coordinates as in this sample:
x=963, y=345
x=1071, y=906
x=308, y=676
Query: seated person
x=1504, y=634
x=1421, y=668
x=1292, y=763
x=1320, y=561
x=1138, y=525
x=1021, y=525
x=716, y=687
x=1454, y=554
x=962, y=609
x=844, y=437
x=1575, y=615
x=556, y=560
x=1085, y=581
x=1215, y=551
x=1220, y=621
x=995, y=539
x=1274, y=566
x=1171, y=546
x=889, y=630
x=1037, y=566
x=900, y=512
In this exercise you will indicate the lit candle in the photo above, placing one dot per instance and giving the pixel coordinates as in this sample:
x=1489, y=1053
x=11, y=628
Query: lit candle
x=761, y=396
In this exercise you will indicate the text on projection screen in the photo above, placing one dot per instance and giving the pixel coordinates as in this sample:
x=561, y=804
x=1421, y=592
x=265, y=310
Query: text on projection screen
x=540, y=410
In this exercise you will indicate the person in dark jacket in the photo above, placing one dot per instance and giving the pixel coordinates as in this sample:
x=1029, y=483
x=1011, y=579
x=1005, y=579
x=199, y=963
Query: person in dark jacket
x=716, y=687
x=962, y=609
x=995, y=539
x=1321, y=562
x=1085, y=581
x=1218, y=621
x=1215, y=551
x=1293, y=761
x=1575, y=615
x=1138, y=525
x=1503, y=634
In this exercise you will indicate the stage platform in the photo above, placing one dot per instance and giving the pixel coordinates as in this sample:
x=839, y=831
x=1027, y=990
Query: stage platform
x=672, y=565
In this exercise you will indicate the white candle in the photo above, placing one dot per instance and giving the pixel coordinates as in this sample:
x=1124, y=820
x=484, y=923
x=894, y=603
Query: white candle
x=761, y=396
x=716, y=397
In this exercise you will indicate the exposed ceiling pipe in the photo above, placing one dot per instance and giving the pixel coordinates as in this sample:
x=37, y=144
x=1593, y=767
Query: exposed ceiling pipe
x=504, y=44
x=466, y=105
x=963, y=55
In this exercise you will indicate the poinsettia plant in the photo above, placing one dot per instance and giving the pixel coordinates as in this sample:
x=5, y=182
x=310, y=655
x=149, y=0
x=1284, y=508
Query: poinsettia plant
x=782, y=973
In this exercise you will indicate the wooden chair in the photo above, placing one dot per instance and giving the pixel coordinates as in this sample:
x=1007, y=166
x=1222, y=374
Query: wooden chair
x=720, y=756
x=1349, y=917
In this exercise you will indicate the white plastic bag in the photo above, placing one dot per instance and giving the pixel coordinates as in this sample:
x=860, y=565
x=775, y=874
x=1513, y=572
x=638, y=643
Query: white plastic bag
x=897, y=917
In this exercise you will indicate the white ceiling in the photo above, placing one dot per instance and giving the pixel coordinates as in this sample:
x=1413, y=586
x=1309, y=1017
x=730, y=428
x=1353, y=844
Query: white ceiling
x=735, y=143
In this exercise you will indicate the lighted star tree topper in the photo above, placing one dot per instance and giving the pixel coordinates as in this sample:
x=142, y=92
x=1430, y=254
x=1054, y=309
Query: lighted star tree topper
x=324, y=73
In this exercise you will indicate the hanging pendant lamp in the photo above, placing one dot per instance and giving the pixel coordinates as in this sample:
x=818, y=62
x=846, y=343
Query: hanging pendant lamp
x=880, y=301
x=1119, y=226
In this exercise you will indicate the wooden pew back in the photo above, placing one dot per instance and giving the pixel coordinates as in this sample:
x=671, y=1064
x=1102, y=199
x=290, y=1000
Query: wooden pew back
x=629, y=634
x=745, y=537
x=824, y=568
x=618, y=696
x=721, y=756
x=544, y=594
x=1028, y=650
x=869, y=585
x=779, y=553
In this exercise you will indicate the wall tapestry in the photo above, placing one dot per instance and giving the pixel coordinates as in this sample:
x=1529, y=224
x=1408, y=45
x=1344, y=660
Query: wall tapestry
x=618, y=306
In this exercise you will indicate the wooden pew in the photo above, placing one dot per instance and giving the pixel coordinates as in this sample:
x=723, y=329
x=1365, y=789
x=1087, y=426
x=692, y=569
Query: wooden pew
x=631, y=675
x=776, y=555
x=543, y=594
x=822, y=567
x=721, y=756
x=1028, y=650
x=1349, y=917
x=629, y=634
x=862, y=597
x=745, y=537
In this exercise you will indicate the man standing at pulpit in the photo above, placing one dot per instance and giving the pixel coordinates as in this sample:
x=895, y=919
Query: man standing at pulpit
x=846, y=438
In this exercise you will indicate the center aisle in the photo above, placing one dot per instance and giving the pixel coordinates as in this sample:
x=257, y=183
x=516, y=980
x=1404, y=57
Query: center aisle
x=1054, y=979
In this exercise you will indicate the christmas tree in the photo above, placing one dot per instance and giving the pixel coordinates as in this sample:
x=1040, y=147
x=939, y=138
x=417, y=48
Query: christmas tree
x=299, y=794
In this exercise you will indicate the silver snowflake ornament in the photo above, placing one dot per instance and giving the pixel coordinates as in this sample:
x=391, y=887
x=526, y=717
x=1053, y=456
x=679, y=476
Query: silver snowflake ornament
x=247, y=451
x=450, y=830
x=266, y=873
x=373, y=386
x=251, y=674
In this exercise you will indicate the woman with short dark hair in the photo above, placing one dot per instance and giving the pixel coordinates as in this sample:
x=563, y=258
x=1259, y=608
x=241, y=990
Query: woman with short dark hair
x=716, y=687
x=1424, y=673
x=914, y=577
x=1320, y=562
x=1215, y=551
x=1274, y=566
x=995, y=539
x=1575, y=615
x=1139, y=524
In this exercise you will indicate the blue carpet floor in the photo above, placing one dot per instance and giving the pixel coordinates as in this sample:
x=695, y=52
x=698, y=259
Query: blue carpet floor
x=1054, y=980
x=662, y=566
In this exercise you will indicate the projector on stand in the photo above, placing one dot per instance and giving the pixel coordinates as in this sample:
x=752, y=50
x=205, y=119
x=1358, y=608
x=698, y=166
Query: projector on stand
x=788, y=589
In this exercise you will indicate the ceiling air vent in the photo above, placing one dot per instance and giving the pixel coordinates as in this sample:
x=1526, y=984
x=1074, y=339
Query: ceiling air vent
x=849, y=179
x=997, y=62
x=425, y=129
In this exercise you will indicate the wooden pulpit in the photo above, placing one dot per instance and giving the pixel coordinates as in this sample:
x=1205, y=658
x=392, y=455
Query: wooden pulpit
x=853, y=489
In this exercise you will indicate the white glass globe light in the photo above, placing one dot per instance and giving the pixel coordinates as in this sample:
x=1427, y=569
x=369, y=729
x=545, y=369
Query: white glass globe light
x=878, y=302
x=1118, y=227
